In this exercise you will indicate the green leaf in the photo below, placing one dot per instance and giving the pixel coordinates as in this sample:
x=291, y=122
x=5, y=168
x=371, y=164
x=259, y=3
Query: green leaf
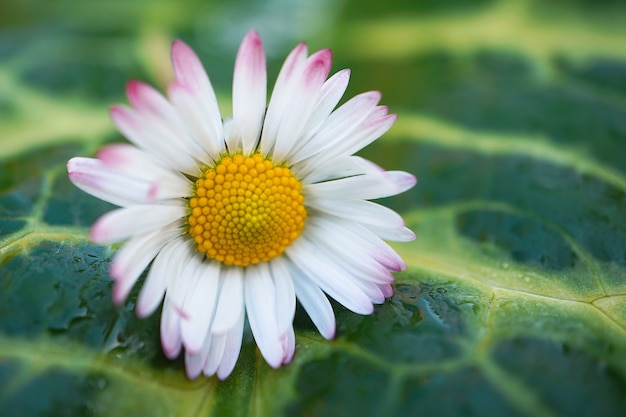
x=511, y=113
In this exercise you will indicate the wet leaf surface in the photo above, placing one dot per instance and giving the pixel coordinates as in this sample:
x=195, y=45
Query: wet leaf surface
x=511, y=113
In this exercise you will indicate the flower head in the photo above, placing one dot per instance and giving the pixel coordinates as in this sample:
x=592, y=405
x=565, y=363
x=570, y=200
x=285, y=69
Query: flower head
x=239, y=217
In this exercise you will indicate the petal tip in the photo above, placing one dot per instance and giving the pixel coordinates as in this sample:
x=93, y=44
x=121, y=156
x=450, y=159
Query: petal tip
x=114, y=110
x=96, y=233
x=403, y=180
x=71, y=166
x=119, y=295
x=252, y=36
x=133, y=89
x=171, y=353
x=178, y=45
x=188, y=68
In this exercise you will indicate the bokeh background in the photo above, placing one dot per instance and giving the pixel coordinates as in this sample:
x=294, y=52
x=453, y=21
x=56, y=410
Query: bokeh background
x=512, y=114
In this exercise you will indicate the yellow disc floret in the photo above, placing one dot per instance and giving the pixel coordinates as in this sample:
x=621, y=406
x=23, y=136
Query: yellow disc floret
x=245, y=210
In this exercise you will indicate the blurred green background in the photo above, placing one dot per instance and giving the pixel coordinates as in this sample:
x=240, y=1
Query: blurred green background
x=512, y=114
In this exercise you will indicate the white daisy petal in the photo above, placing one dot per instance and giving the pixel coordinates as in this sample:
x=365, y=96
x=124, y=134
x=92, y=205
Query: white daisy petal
x=331, y=93
x=159, y=113
x=365, y=187
x=288, y=340
x=121, y=224
x=357, y=255
x=152, y=292
x=207, y=141
x=170, y=331
x=232, y=347
x=350, y=234
x=134, y=257
x=243, y=215
x=384, y=222
x=146, y=134
x=180, y=267
x=387, y=256
x=350, y=140
x=195, y=99
x=249, y=91
x=230, y=301
x=342, y=167
x=95, y=178
x=285, y=294
x=279, y=102
x=366, y=133
x=341, y=123
x=135, y=163
x=355, y=267
x=400, y=234
x=215, y=354
x=328, y=277
x=373, y=292
x=195, y=361
x=304, y=97
x=206, y=359
x=200, y=304
x=315, y=303
x=259, y=295
x=365, y=212
x=153, y=289
x=386, y=290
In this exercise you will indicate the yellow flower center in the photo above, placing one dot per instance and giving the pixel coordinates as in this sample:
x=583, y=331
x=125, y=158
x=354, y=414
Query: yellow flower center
x=245, y=210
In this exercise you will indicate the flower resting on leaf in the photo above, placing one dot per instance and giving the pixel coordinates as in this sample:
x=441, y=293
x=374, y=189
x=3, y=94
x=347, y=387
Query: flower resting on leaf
x=240, y=216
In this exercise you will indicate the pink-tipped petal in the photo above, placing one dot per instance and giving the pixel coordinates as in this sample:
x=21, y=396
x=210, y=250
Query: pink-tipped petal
x=232, y=347
x=93, y=177
x=331, y=93
x=367, y=133
x=156, y=111
x=249, y=92
x=347, y=166
x=164, y=265
x=120, y=224
x=230, y=300
x=194, y=97
x=145, y=98
x=187, y=66
x=285, y=294
x=400, y=234
x=332, y=279
x=180, y=283
x=207, y=129
x=156, y=138
x=280, y=100
x=315, y=303
x=292, y=66
x=348, y=234
x=338, y=127
x=386, y=289
x=201, y=304
x=215, y=354
x=304, y=95
x=358, y=257
x=361, y=211
x=131, y=260
x=372, y=291
x=367, y=187
x=288, y=340
x=129, y=160
x=170, y=331
x=259, y=293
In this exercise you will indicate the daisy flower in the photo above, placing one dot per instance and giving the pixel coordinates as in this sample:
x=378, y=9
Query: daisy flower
x=239, y=216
